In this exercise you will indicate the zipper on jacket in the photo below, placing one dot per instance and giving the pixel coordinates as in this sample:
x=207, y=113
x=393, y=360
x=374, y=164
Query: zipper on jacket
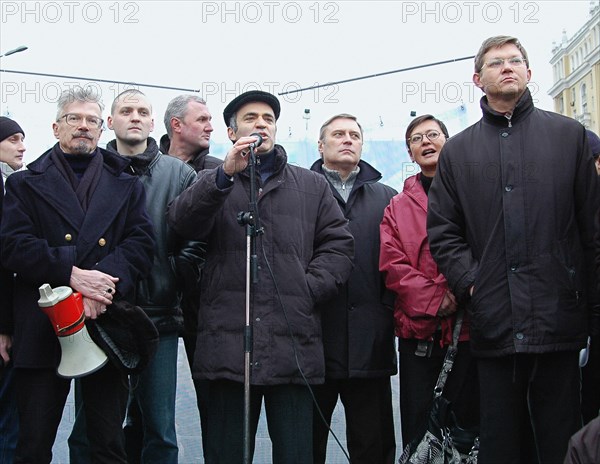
x=508, y=116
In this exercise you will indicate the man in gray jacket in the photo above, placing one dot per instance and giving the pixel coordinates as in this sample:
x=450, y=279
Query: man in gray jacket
x=511, y=226
x=304, y=255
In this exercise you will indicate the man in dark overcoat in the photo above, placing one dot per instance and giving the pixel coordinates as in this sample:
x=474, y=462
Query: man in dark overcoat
x=358, y=323
x=74, y=218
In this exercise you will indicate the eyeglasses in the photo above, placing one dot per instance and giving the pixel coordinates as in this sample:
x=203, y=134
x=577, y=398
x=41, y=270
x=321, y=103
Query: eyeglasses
x=75, y=120
x=499, y=62
x=418, y=138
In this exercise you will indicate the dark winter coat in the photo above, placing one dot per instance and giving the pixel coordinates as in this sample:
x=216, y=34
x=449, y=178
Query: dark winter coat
x=511, y=211
x=159, y=294
x=6, y=285
x=45, y=232
x=358, y=323
x=307, y=245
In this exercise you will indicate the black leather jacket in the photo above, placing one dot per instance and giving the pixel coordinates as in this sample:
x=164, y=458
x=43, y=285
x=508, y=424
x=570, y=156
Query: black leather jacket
x=160, y=293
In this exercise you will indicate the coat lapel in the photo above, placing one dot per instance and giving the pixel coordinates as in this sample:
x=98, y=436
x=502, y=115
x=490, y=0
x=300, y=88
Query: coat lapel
x=104, y=208
x=46, y=185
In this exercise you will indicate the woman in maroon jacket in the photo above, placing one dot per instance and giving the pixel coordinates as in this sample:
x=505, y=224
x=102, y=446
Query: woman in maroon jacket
x=425, y=308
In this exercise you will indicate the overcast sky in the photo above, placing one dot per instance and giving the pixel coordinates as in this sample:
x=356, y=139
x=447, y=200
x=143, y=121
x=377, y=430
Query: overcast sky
x=224, y=48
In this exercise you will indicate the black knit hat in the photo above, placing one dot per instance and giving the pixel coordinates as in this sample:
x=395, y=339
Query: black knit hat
x=9, y=127
x=248, y=97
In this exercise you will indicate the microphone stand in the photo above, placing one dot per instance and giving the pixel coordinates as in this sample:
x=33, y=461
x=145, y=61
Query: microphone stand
x=251, y=221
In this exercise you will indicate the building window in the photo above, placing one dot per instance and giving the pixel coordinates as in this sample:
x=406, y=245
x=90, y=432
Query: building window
x=583, y=93
x=561, y=105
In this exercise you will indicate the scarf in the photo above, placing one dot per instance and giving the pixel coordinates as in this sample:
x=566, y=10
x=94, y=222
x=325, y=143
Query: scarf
x=139, y=163
x=84, y=188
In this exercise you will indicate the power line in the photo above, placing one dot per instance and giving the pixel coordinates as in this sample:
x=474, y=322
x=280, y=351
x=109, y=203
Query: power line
x=378, y=74
x=109, y=81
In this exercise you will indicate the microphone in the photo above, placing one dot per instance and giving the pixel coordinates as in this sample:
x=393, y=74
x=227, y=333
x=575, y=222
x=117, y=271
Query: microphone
x=258, y=143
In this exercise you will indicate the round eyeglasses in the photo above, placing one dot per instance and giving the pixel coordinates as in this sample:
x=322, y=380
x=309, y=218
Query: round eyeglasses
x=418, y=138
x=75, y=120
x=499, y=62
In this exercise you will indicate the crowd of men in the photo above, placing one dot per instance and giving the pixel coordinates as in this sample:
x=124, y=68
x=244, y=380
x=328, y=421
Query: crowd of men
x=333, y=266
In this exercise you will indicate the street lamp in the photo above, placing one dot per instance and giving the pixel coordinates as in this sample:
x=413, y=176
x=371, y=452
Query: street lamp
x=22, y=48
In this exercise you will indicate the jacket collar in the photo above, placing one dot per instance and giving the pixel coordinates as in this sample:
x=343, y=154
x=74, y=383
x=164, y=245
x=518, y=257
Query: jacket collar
x=197, y=161
x=114, y=162
x=165, y=143
x=142, y=162
x=367, y=174
x=414, y=190
x=522, y=109
x=6, y=169
x=151, y=148
x=278, y=163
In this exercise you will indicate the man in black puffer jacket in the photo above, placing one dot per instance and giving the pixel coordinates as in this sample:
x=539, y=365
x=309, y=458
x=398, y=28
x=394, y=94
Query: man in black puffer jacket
x=307, y=246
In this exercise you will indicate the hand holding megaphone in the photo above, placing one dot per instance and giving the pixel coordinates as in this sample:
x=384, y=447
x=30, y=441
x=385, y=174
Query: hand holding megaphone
x=79, y=354
x=97, y=288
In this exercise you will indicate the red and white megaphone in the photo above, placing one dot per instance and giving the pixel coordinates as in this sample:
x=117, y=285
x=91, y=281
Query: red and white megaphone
x=80, y=356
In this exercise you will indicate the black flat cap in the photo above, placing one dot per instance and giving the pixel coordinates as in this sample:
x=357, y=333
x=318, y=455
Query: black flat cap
x=249, y=97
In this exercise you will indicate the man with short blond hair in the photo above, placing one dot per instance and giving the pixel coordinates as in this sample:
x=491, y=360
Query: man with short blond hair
x=164, y=178
x=151, y=412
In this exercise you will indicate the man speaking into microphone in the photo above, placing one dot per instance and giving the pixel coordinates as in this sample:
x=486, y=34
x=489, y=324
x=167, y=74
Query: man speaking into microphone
x=304, y=255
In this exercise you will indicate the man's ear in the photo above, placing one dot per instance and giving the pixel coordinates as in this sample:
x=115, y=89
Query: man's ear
x=477, y=80
x=231, y=134
x=55, y=129
x=175, y=125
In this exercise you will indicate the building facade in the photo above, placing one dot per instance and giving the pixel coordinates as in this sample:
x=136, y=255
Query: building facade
x=576, y=73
